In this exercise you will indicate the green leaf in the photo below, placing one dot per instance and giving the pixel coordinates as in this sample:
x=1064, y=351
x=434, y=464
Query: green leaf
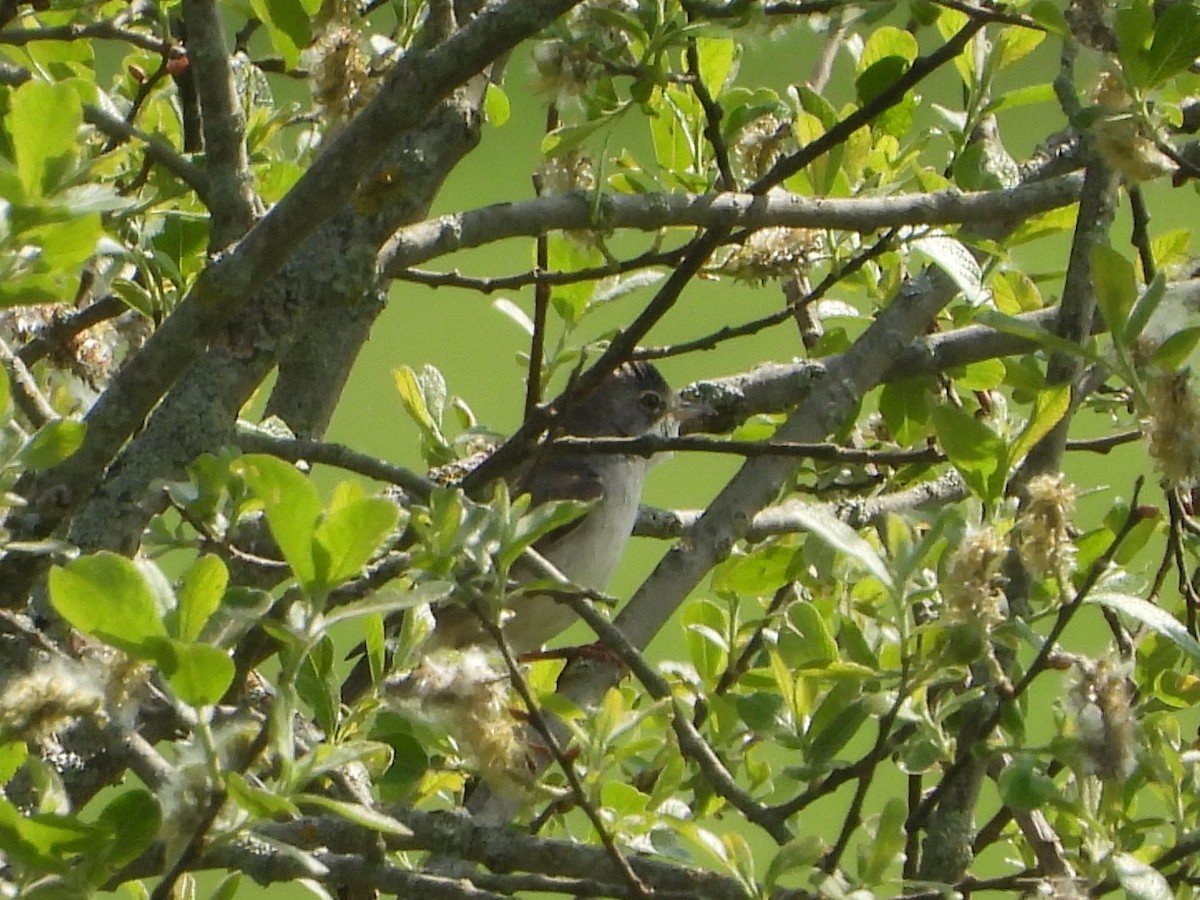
x=288, y=26
x=496, y=108
x=1153, y=617
x=1176, y=43
x=878, y=77
x=199, y=674
x=43, y=120
x=1014, y=44
x=67, y=244
x=108, y=597
x=953, y=258
x=1047, y=14
x=43, y=841
x=52, y=443
x=1048, y=409
x=718, y=57
x=133, y=819
x=836, y=721
x=347, y=538
x=1023, y=785
x=985, y=375
x=904, y=405
x=800, y=854
x=292, y=508
x=199, y=596
x=704, y=627
x=567, y=137
x=358, y=814
x=816, y=646
x=832, y=531
x=389, y=601
x=878, y=856
x=1035, y=333
x=1022, y=96
x=316, y=685
x=1139, y=879
x=1144, y=308
x=978, y=453
x=259, y=803
x=1116, y=287
x=888, y=41
x=538, y=522
x=12, y=756
x=1175, y=350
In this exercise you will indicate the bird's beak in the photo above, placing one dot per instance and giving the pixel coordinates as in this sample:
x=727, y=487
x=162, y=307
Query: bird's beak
x=688, y=412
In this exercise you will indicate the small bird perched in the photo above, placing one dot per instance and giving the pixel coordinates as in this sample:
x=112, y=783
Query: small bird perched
x=634, y=401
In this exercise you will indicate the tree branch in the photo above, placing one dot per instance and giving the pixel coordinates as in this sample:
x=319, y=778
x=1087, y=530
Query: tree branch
x=418, y=243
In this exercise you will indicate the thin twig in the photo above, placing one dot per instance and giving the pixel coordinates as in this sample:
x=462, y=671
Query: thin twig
x=28, y=396
x=709, y=341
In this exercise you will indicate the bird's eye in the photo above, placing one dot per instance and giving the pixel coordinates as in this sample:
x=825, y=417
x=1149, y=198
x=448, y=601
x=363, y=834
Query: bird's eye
x=652, y=402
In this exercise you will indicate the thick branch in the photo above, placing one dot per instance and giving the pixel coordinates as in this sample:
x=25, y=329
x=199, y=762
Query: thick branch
x=648, y=212
x=231, y=200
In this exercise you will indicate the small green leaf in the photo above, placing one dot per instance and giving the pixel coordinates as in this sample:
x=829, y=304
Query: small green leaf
x=877, y=857
x=878, y=77
x=44, y=841
x=133, y=818
x=358, y=814
x=1047, y=14
x=568, y=137
x=200, y=592
x=348, y=537
x=800, y=854
x=815, y=646
x=1023, y=785
x=1048, y=409
x=52, y=443
x=292, y=508
x=830, y=530
x=389, y=601
x=1175, y=350
x=904, y=405
x=985, y=375
x=107, y=597
x=1014, y=44
x=12, y=756
x=718, y=58
x=288, y=26
x=1144, y=308
x=259, y=803
x=975, y=450
x=496, y=108
x=316, y=685
x=1153, y=617
x=199, y=674
x=43, y=120
x=953, y=258
x=538, y=522
x=888, y=41
x=1116, y=287
x=1176, y=43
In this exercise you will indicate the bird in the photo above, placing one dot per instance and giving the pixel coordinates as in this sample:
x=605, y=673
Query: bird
x=632, y=401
